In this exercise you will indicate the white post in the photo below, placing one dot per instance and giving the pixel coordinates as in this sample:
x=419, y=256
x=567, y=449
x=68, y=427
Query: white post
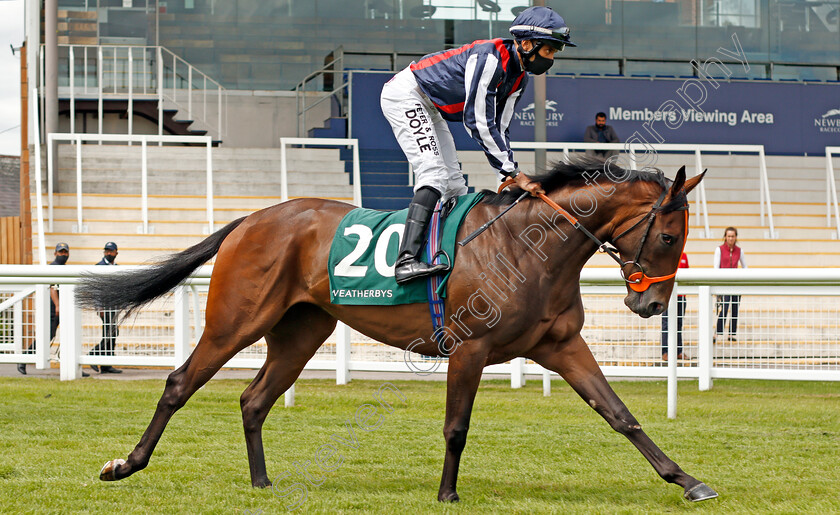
x=698, y=169
x=39, y=195
x=210, y=220
x=284, y=175
x=832, y=188
x=342, y=354
x=174, y=78
x=672, y=354
x=42, y=326
x=219, y=90
x=79, y=184
x=517, y=372
x=17, y=326
x=70, y=332
x=72, y=67
x=182, y=325
x=189, y=93
x=546, y=383
x=131, y=94
x=290, y=397
x=85, y=65
x=766, y=188
x=704, y=334
x=160, y=92
x=50, y=167
x=99, y=106
x=196, y=305
x=144, y=185
x=357, y=177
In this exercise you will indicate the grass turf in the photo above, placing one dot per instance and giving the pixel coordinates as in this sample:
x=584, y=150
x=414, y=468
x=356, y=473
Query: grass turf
x=766, y=447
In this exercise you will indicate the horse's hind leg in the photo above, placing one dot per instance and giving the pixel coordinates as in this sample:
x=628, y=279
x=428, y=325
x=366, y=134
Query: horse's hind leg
x=291, y=343
x=574, y=361
x=226, y=334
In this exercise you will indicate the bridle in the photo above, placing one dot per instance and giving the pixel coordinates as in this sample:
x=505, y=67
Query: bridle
x=638, y=280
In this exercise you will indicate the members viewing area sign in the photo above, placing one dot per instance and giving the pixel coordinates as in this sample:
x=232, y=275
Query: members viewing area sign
x=787, y=118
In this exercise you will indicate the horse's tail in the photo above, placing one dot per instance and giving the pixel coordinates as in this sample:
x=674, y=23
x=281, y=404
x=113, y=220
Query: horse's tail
x=132, y=289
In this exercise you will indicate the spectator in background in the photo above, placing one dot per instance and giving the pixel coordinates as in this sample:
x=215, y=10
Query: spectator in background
x=110, y=331
x=601, y=133
x=62, y=254
x=680, y=315
x=728, y=255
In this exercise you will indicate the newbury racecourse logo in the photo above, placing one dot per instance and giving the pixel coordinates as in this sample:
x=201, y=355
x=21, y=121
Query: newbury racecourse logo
x=550, y=105
x=552, y=116
x=829, y=122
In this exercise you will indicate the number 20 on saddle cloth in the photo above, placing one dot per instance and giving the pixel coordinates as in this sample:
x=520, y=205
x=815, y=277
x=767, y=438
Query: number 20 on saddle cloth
x=364, y=251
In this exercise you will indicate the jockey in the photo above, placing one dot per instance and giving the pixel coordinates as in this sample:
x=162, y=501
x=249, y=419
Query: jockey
x=477, y=84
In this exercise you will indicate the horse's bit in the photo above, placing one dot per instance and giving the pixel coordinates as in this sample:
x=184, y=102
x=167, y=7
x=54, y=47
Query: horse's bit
x=638, y=281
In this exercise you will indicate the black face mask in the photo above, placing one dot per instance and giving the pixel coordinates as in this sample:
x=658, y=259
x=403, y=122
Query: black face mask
x=539, y=65
x=61, y=259
x=110, y=258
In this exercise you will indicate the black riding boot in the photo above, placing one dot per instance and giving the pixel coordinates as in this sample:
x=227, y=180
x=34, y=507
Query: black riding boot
x=408, y=265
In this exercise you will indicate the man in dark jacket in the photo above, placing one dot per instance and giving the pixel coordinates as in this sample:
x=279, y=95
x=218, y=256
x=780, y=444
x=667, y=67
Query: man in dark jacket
x=62, y=254
x=601, y=133
x=110, y=331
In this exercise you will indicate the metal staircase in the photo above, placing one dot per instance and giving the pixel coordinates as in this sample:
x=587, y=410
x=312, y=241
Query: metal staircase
x=148, y=81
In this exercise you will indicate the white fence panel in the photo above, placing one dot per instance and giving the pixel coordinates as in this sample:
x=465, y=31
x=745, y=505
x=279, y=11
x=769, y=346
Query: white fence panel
x=787, y=328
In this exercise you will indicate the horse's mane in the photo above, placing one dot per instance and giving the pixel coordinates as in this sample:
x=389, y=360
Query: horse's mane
x=571, y=173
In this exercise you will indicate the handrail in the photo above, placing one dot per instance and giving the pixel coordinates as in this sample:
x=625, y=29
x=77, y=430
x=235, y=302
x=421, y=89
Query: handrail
x=702, y=206
x=143, y=139
x=300, y=89
x=284, y=174
x=831, y=190
x=161, y=78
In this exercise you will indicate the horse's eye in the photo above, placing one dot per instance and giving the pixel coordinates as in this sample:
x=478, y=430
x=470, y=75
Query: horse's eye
x=667, y=239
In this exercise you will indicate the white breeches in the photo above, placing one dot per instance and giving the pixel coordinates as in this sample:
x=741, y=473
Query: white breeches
x=423, y=136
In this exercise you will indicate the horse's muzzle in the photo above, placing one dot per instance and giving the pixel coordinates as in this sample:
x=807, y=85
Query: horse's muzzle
x=644, y=309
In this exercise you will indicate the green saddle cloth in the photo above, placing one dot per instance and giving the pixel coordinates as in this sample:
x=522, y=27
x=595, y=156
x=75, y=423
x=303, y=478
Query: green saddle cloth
x=364, y=250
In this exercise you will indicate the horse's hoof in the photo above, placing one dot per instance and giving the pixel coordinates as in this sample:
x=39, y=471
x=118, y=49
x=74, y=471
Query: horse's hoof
x=108, y=470
x=261, y=484
x=700, y=492
x=449, y=497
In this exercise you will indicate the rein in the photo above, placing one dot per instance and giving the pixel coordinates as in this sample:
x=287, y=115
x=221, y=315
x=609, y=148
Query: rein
x=638, y=281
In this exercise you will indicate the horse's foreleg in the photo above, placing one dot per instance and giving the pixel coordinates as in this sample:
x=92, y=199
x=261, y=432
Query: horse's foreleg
x=574, y=361
x=290, y=345
x=463, y=377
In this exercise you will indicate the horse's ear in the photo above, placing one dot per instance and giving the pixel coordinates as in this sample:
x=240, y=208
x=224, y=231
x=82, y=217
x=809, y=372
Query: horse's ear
x=679, y=182
x=693, y=182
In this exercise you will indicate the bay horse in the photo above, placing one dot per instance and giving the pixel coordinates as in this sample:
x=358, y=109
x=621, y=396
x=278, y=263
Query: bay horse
x=270, y=280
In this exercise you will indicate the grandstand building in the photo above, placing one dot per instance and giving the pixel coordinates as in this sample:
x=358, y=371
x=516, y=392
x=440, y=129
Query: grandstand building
x=244, y=74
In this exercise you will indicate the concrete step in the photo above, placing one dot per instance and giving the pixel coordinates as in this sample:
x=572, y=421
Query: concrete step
x=702, y=256
x=165, y=202
x=111, y=226
x=198, y=178
x=759, y=232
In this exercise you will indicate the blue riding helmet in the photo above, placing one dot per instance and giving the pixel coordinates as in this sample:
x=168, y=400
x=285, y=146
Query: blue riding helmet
x=543, y=24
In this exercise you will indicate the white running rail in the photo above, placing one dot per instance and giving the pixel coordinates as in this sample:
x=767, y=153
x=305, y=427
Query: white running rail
x=789, y=288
